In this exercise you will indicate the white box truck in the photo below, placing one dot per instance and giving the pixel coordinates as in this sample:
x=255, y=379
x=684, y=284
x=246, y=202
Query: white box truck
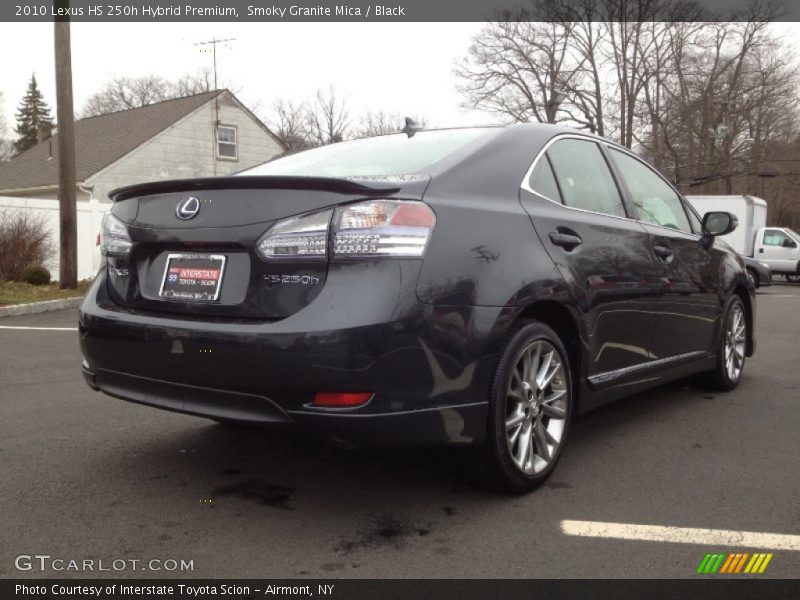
x=777, y=247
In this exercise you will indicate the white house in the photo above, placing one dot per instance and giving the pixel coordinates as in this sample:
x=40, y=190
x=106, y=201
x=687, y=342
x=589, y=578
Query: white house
x=206, y=135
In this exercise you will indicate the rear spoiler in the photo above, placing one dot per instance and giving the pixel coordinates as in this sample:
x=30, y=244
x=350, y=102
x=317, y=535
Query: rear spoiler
x=365, y=186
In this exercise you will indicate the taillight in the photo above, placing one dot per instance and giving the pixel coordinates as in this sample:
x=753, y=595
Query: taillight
x=297, y=237
x=114, y=238
x=374, y=228
x=382, y=228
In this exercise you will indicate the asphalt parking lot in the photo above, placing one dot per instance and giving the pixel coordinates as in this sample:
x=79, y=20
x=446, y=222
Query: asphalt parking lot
x=85, y=476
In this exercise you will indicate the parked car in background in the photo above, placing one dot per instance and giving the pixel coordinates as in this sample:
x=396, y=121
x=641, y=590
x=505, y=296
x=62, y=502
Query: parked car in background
x=758, y=272
x=477, y=286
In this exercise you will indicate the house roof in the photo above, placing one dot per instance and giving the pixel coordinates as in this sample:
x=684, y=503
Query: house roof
x=99, y=141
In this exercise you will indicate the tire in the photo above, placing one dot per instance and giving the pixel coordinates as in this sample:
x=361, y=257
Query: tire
x=731, y=348
x=753, y=276
x=520, y=457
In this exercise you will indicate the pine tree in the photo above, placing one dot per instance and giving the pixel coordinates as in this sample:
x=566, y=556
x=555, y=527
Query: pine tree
x=31, y=113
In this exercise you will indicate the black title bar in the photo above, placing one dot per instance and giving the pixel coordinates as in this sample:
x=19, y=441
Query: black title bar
x=409, y=589
x=244, y=11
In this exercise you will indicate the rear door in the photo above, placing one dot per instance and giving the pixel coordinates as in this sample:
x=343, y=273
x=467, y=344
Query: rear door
x=688, y=271
x=603, y=255
x=776, y=248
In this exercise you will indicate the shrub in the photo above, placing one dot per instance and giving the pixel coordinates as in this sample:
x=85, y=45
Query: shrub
x=24, y=240
x=35, y=275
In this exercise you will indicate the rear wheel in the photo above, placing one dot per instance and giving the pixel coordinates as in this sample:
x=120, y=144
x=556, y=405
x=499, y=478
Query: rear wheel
x=731, y=347
x=530, y=407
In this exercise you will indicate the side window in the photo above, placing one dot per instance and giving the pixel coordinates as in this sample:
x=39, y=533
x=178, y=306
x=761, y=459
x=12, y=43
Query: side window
x=542, y=180
x=226, y=142
x=694, y=219
x=583, y=175
x=774, y=237
x=655, y=201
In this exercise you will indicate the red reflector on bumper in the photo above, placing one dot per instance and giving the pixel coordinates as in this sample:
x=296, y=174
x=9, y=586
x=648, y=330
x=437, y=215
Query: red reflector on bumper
x=341, y=399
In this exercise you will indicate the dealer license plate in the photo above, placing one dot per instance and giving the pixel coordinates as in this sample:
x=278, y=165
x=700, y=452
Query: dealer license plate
x=193, y=277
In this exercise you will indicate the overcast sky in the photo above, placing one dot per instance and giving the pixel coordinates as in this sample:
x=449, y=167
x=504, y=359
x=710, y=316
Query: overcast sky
x=404, y=68
x=394, y=67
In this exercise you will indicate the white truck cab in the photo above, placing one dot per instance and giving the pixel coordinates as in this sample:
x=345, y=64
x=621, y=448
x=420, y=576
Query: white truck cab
x=779, y=247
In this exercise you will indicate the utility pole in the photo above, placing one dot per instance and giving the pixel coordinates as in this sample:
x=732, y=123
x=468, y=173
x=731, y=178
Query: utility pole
x=68, y=242
x=213, y=43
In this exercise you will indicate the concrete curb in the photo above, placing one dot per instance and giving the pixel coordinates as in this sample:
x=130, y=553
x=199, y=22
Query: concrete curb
x=39, y=307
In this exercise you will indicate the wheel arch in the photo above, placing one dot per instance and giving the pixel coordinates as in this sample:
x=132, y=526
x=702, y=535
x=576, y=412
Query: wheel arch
x=747, y=300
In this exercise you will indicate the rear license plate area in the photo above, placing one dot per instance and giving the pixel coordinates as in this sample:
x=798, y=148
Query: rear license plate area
x=193, y=277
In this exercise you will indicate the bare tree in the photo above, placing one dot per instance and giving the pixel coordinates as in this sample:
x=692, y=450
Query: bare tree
x=123, y=93
x=327, y=117
x=25, y=240
x=519, y=69
x=290, y=124
x=381, y=123
x=189, y=85
x=580, y=62
x=722, y=104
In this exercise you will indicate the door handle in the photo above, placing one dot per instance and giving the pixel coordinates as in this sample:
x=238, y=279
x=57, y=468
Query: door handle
x=565, y=240
x=663, y=252
x=760, y=250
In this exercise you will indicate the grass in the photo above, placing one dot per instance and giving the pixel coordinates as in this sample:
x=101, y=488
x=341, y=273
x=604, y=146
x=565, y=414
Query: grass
x=13, y=292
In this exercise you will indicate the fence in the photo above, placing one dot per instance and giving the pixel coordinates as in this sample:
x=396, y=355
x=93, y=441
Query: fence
x=89, y=215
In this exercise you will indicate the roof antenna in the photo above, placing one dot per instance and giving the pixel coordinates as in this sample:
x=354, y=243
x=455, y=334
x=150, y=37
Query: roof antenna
x=411, y=127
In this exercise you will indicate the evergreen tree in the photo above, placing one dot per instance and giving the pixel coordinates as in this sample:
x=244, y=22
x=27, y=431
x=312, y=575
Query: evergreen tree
x=32, y=112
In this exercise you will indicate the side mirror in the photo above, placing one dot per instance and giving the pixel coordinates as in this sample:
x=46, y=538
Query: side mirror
x=719, y=223
x=787, y=243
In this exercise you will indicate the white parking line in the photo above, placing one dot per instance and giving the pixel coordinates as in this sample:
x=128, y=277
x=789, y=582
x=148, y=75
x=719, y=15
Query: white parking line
x=40, y=328
x=682, y=535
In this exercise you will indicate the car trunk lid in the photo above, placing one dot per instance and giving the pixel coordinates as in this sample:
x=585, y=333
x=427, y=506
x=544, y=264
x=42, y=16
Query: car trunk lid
x=232, y=214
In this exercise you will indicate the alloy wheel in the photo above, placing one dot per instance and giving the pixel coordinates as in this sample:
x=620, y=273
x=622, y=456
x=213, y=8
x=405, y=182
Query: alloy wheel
x=735, y=338
x=536, y=407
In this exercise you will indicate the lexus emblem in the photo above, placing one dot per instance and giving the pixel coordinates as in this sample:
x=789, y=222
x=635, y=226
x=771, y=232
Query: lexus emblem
x=188, y=209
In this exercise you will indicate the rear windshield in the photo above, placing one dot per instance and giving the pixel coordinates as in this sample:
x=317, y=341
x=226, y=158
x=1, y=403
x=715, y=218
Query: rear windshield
x=387, y=155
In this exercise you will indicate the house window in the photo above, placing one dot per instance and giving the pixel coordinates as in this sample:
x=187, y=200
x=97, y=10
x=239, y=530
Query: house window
x=226, y=142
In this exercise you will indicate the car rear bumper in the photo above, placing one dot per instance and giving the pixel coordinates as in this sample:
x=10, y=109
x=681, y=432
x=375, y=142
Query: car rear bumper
x=429, y=368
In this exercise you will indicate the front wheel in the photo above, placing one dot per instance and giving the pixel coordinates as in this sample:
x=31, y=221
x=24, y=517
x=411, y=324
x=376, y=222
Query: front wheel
x=731, y=347
x=530, y=407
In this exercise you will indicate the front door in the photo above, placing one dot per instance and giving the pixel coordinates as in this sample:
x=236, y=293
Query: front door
x=687, y=271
